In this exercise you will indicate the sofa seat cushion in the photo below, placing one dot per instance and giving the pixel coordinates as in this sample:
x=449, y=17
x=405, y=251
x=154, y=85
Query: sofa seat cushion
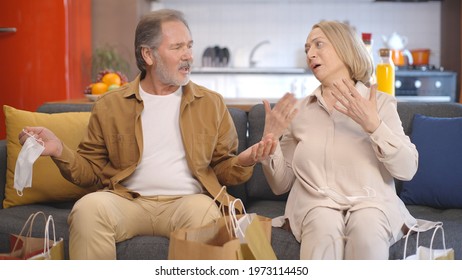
x=267, y=208
x=48, y=185
x=438, y=181
x=143, y=248
x=285, y=246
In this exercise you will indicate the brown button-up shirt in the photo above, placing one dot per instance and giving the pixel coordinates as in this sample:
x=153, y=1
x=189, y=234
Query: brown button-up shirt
x=112, y=148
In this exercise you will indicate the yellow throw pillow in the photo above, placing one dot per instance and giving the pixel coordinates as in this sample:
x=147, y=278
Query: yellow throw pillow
x=48, y=185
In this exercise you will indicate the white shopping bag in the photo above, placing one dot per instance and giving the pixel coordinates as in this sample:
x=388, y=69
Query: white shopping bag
x=428, y=253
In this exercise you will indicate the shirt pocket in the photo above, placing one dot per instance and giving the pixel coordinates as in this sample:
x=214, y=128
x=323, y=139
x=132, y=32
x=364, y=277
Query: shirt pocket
x=123, y=151
x=203, y=148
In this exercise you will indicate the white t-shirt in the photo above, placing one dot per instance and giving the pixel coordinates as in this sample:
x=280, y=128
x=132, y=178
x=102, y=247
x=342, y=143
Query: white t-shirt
x=163, y=169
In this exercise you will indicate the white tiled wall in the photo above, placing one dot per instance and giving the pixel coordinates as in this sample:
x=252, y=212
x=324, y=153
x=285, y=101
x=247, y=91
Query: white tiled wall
x=241, y=24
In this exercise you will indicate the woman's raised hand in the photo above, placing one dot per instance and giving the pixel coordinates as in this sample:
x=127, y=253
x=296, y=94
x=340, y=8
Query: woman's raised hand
x=361, y=110
x=278, y=119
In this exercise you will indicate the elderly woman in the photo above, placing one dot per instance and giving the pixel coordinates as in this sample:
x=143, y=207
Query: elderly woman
x=337, y=152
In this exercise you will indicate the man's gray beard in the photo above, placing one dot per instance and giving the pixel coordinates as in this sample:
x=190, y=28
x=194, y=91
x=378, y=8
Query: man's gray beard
x=167, y=79
x=186, y=81
x=164, y=76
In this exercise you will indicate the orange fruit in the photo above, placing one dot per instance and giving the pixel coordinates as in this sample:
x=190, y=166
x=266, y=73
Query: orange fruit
x=99, y=88
x=111, y=79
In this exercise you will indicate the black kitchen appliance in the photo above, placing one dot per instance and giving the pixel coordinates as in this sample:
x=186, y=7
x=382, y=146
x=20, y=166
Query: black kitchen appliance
x=425, y=83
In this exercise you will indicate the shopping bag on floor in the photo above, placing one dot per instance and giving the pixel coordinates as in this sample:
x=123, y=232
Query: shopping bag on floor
x=428, y=253
x=25, y=247
x=214, y=241
x=218, y=240
x=253, y=232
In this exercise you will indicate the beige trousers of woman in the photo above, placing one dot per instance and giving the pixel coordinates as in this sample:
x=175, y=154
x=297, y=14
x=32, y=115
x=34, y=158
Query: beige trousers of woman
x=334, y=234
x=99, y=220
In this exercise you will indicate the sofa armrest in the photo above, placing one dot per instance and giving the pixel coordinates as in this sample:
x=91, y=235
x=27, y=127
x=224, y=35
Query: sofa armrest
x=2, y=171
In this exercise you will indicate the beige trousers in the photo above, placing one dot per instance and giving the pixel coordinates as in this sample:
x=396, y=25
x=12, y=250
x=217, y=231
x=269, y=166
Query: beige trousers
x=334, y=234
x=99, y=220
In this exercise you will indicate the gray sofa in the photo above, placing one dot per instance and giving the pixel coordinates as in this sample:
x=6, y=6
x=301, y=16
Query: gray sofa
x=256, y=193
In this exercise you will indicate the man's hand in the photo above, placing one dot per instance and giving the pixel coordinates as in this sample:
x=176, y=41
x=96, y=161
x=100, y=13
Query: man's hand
x=258, y=152
x=53, y=145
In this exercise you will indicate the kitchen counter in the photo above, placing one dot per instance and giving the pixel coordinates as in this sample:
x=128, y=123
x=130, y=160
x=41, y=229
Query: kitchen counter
x=255, y=83
x=254, y=70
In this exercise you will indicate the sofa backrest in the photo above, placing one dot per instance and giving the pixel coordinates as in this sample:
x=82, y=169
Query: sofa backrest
x=407, y=110
x=240, y=122
x=257, y=187
x=64, y=107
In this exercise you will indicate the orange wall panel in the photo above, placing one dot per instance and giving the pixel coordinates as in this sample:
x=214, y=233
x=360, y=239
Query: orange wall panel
x=48, y=57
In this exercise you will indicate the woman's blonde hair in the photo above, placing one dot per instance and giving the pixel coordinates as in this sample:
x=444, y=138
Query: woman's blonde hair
x=350, y=49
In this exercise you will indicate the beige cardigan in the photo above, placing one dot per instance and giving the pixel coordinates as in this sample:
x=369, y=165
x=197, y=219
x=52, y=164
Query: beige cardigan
x=327, y=159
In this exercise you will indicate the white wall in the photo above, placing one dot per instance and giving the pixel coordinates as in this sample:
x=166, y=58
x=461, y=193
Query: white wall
x=241, y=24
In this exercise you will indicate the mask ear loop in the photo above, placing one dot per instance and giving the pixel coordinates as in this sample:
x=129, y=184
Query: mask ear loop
x=370, y=192
x=40, y=141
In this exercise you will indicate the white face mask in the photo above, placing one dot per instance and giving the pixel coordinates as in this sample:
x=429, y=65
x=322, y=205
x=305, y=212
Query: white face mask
x=29, y=153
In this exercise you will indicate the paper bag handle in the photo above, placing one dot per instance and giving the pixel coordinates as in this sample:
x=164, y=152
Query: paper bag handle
x=433, y=237
x=30, y=222
x=426, y=225
x=46, y=243
x=221, y=208
x=233, y=216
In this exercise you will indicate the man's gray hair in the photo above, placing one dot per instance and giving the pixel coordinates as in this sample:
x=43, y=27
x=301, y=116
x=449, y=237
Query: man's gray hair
x=149, y=32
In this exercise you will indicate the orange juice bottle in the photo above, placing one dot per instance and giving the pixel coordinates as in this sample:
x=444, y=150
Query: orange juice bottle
x=385, y=72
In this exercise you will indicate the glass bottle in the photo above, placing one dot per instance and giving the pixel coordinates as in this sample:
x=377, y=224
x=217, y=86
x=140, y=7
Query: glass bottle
x=385, y=72
x=367, y=40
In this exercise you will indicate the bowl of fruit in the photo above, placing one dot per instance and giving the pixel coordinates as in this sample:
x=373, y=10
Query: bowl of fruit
x=106, y=80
